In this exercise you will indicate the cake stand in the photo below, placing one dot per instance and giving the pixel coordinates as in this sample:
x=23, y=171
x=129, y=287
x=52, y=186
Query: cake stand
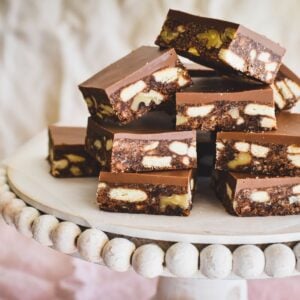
x=207, y=255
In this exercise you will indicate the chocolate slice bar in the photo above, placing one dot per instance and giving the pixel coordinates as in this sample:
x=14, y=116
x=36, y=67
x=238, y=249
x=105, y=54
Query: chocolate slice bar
x=135, y=84
x=164, y=193
x=67, y=155
x=218, y=103
x=120, y=149
x=248, y=195
x=222, y=45
x=286, y=89
x=275, y=153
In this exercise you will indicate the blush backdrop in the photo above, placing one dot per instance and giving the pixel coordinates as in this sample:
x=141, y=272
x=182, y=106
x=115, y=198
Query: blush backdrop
x=46, y=49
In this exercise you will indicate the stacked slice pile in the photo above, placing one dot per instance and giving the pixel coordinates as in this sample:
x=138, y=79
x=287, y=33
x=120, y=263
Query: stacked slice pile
x=149, y=114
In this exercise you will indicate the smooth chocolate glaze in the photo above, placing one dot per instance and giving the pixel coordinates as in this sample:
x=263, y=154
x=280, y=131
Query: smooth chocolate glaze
x=139, y=63
x=177, y=178
x=66, y=136
x=242, y=180
x=208, y=89
x=186, y=18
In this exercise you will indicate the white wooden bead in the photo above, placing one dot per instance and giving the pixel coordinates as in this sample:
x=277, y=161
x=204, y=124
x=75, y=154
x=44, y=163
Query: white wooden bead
x=90, y=244
x=216, y=261
x=5, y=198
x=148, y=260
x=248, y=261
x=24, y=220
x=11, y=209
x=117, y=254
x=182, y=259
x=297, y=254
x=42, y=228
x=280, y=260
x=64, y=237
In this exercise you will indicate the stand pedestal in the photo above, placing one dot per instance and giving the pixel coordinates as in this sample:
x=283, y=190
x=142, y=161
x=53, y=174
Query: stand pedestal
x=169, y=288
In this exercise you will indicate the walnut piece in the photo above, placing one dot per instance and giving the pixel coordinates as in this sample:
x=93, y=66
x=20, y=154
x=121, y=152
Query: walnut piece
x=182, y=201
x=167, y=35
x=241, y=159
x=211, y=38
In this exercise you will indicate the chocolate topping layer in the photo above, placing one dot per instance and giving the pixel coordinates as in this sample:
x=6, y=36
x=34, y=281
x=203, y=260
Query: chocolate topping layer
x=209, y=89
x=219, y=24
x=170, y=135
x=196, y=70
x=275, y=47
x=138, y=64
x=243, y=180
x=67, y=136
x=188, y=18
x=179, y=178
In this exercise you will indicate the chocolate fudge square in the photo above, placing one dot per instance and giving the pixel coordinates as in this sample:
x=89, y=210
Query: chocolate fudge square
x=123, y=149
x=163, y=193
x=222, y=45
x=215, y=103
x=67, y=156
x=247, y=195
x=273, y=153
x=134, y=85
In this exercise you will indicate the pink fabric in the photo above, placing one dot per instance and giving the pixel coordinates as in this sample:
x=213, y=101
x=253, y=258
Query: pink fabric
x=29, y=271
x=275, y=289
